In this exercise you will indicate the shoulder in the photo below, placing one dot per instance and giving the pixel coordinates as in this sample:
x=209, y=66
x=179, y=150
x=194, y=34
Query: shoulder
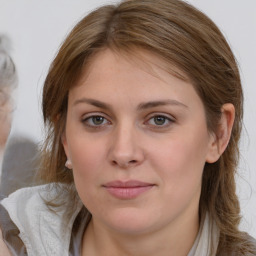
x=27, y=194
x=246, y=246
x=252, y=242
x=36, y=197
x=26, y=201
x=28, y=209
x=26, y=205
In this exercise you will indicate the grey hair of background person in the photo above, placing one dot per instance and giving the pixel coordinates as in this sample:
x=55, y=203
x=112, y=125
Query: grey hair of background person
x=8, y=73
x=8, y=82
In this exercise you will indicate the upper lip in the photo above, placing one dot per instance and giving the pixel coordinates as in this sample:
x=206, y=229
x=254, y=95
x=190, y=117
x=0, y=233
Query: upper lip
x=127, y=184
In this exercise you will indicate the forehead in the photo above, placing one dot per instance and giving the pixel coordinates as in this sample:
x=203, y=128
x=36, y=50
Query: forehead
x=140, y=77
x=140, y=59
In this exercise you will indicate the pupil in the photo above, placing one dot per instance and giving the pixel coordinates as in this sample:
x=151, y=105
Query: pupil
x=159, y=120
x=98, y=120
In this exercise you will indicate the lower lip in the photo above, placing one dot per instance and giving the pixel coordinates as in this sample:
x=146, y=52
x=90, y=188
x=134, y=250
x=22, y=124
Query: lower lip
x=128, y=192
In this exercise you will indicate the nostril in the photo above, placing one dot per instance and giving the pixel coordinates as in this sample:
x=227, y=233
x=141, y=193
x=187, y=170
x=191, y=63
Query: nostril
x=124, y=164
x=114, y=162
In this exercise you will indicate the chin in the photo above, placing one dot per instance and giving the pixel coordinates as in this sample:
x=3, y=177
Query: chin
x=130, y=222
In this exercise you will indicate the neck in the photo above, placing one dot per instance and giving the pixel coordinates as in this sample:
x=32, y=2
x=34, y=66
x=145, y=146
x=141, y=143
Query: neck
x=174, y=239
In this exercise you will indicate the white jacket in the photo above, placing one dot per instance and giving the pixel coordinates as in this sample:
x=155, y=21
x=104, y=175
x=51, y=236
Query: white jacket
x=42, y=231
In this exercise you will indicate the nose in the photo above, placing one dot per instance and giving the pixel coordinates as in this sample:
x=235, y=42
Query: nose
x=126, y=150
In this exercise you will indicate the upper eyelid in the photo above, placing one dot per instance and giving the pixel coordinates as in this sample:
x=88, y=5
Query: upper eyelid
x=168, y=116
x=98, y=113
x=91, y=117
x=85, y=121
x=92, y=114
x=112, y=119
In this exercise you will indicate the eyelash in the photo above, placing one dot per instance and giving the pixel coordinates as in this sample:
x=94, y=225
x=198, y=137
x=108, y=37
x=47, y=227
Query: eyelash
x=89, y=121
x=167, y=121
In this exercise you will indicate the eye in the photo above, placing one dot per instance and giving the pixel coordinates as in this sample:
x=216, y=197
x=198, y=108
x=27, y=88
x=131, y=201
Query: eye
x=95, y=121
x=160, y=120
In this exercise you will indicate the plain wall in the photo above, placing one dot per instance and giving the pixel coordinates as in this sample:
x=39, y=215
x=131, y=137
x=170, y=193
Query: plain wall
x=37, y=28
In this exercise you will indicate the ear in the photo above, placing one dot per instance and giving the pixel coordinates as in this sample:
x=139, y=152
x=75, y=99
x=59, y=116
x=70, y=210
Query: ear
x=219, y=140
x=65, y=144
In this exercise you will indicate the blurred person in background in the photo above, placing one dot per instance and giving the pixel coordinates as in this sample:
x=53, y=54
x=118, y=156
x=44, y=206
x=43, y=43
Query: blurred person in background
x=19, y=164
x=17, y=157
x=8, y=82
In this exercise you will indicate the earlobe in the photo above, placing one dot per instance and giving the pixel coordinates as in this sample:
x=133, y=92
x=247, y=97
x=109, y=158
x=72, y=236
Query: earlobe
x=68, y=163
x=220, y=140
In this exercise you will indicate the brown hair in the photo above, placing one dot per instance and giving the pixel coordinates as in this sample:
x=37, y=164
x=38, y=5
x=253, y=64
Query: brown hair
x=182, y=36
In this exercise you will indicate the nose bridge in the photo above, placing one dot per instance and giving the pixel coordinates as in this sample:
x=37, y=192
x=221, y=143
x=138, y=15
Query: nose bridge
x=125, y=149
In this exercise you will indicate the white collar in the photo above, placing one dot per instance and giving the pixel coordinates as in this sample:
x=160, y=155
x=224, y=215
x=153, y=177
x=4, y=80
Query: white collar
x=207, y=239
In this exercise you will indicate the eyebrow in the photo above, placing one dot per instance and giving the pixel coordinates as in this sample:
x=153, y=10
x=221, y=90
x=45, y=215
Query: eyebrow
x=93, y=102
x=141, y=106
x=153, y=104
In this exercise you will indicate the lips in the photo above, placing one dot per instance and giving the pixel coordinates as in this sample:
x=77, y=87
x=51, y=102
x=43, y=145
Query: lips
x=127, y=190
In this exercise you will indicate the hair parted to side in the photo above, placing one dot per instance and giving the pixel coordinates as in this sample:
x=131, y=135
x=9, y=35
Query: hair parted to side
x=186, y=39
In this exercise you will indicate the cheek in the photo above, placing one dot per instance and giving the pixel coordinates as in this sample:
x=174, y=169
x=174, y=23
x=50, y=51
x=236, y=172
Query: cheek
x=85, y=161
x=180, y=167
x=87, y=158
x=180, y=161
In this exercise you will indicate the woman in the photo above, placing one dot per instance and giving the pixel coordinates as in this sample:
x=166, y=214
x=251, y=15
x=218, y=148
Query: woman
x=143, y=105
x=7, y=84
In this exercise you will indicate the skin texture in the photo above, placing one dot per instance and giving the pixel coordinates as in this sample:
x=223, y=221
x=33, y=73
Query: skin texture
x=150, y=127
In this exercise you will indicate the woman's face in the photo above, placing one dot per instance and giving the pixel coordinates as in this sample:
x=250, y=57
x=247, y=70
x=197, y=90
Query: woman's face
x=138, y=142
x=5, y=116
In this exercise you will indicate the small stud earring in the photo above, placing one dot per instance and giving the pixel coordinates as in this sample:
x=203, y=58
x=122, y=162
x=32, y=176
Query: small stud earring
x=68, y=164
